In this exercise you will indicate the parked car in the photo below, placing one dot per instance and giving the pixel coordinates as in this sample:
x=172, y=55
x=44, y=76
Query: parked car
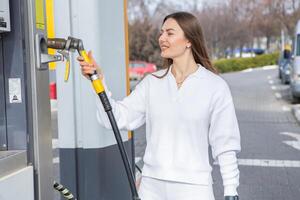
x=138, y=69
x=295, y=74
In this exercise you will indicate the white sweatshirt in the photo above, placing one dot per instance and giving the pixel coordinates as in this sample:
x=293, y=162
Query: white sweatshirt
x=180, y=126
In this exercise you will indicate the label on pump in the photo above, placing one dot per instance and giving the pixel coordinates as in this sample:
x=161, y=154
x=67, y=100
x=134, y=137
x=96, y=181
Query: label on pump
x=14, y=85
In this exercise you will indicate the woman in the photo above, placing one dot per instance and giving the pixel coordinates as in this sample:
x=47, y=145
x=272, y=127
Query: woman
x=186, y=107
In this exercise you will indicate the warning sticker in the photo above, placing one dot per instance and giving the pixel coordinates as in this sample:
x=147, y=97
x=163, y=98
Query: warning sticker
x=14, y=85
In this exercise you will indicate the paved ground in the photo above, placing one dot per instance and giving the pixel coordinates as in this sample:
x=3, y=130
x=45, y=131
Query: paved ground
x=270, y=159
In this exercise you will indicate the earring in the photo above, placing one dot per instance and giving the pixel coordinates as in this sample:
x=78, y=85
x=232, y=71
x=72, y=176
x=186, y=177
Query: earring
x=188, y=46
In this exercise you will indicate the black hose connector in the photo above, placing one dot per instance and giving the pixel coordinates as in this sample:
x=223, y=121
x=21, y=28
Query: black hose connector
x=105, y=101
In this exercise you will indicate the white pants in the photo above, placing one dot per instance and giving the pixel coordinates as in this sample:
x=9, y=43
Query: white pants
x=156, y=189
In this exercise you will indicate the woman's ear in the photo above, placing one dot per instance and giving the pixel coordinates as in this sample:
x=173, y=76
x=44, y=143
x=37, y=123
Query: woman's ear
x=188, y=45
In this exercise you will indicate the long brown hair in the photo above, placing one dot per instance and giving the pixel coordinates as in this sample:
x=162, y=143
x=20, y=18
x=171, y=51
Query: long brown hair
x=193, y=32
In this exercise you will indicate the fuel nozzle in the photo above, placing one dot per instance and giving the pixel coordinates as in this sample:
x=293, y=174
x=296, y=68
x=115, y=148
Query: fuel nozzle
x=65, y=46
x=69, y=44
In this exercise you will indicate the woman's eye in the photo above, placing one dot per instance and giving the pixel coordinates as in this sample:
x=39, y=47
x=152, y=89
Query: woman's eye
x=170, y=34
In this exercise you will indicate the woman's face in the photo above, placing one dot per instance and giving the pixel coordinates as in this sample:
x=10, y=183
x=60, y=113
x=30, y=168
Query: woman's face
x=172, y=41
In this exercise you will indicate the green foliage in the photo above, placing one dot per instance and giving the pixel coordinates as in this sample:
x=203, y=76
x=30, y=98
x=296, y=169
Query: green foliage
x=238, y=64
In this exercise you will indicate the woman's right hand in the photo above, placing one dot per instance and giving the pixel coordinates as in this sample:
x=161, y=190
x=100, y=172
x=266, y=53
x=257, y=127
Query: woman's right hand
x=88, y=69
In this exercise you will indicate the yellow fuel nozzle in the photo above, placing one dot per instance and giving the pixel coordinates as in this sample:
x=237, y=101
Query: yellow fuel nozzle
x=66, y=56
x=85, y=56
x=74, y=44
x=97, y=84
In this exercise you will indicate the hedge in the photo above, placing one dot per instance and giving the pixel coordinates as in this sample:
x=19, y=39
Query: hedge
x=238, y=64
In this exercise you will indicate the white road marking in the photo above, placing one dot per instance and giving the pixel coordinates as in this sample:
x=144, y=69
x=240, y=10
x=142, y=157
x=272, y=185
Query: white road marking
x=271, y=82
x=286, y=108
x=278, y=95
x=269, y=77
x=273, y=87
x=56, y=160
x=293, y=143
x=268, y=163
x=54, y=143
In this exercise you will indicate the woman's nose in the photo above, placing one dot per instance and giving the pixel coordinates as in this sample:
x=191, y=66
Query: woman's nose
x=161, y=38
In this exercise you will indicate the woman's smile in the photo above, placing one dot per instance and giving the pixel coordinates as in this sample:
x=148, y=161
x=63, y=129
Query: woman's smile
x=164, y=47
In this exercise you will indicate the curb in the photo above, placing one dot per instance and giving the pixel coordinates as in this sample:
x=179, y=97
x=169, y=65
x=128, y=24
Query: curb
x=267, y=67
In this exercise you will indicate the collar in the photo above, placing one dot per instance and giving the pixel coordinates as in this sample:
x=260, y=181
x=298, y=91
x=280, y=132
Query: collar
x=199, y=73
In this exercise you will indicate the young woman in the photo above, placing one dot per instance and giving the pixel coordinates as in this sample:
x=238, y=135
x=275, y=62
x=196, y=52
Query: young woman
x=186, y=108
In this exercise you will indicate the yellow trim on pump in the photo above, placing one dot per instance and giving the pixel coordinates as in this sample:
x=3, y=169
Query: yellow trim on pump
x=39, y=14
x=50, y=28
x=127, y=55
x=126, y=47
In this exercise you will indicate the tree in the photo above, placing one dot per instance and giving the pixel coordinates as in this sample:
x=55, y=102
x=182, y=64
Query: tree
x=227, y=24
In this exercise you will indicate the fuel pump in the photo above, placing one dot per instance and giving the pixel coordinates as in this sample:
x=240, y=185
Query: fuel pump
x=64, y=46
